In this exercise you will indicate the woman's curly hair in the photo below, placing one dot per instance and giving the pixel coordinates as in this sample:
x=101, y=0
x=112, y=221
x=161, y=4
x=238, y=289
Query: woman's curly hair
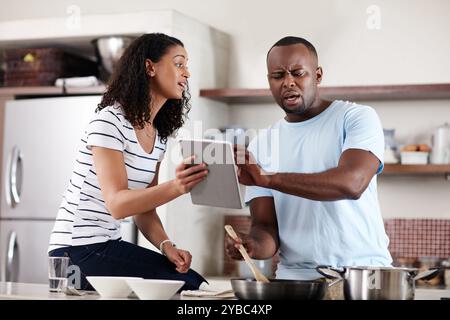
x=129, y=86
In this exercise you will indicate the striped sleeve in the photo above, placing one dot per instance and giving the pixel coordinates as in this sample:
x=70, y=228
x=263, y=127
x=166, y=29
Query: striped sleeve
x=105, y=130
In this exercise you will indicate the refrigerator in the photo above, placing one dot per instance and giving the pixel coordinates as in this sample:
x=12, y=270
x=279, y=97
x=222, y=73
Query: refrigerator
x=40, y=142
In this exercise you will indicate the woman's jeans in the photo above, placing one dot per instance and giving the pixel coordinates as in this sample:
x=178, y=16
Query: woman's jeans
x=124, y=259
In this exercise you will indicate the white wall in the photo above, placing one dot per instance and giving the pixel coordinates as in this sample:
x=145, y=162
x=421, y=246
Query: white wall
x=198, y=228
x=411, y=45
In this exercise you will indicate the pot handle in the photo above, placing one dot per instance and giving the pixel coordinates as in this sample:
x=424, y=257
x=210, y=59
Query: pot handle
x=427, y=275
x=330, y=272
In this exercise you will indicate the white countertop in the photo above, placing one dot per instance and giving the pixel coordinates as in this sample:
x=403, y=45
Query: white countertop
x=34, y=291
x=432, y=293
x=31, y=291
x=37, y=291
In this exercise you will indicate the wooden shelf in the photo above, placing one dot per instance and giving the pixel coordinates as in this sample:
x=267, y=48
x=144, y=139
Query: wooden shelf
x=416, y=169
x=30, y=91
x=238, y=95
x=356, y=93
x=49, y=91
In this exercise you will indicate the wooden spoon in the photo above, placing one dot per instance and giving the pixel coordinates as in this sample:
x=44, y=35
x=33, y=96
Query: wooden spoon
x=258, y=275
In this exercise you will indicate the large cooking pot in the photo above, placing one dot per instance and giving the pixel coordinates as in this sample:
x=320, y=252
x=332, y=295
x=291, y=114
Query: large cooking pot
x=279, y=289
x=377, y=283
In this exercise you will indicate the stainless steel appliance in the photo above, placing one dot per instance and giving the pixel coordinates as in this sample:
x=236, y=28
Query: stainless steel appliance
x=41, y=137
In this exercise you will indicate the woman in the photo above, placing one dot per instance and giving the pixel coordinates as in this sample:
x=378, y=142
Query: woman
x=116, y=171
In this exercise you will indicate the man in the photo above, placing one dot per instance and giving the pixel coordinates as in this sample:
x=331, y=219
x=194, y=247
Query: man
x=313, y=193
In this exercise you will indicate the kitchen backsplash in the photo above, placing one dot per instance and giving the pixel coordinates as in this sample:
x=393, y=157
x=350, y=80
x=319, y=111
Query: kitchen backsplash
x=410, y=239
x=417, y=238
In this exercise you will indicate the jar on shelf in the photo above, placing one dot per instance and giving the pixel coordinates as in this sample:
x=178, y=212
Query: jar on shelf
x=390, y=146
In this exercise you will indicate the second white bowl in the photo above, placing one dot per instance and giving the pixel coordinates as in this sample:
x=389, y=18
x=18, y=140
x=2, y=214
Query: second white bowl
x=154, y=289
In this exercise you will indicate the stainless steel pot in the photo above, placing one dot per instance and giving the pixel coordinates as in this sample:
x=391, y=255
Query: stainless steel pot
x=108, y=51
x=373, y=283
x=278, y=289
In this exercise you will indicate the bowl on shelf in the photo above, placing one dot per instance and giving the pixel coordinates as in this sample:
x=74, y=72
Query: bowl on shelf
x=414, y=157
x=155, y=289
x=112, y=287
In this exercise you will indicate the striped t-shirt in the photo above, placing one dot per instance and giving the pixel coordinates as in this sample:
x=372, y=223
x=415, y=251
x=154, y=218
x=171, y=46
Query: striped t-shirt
x=83, y=217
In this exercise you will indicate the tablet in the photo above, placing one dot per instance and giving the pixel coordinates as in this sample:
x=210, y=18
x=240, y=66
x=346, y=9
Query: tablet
x=221, y=186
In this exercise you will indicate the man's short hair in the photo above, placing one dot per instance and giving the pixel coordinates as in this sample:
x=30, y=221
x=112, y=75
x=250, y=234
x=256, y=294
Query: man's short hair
x=287, y=41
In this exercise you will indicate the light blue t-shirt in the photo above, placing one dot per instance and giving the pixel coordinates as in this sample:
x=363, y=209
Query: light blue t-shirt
x=336, y=233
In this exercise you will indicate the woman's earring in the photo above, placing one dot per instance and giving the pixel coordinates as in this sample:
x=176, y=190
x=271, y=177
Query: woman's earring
x=151, y=73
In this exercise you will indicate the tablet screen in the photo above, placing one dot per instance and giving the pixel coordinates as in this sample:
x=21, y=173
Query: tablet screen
x=221, y=186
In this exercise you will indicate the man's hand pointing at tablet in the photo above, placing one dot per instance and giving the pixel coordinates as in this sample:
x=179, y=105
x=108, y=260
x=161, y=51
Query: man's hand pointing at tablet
x=249, y=172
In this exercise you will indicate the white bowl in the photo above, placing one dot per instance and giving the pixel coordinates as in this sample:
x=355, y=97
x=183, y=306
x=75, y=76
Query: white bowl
x=112, y=287
x=154, y=289
x=414, y=157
